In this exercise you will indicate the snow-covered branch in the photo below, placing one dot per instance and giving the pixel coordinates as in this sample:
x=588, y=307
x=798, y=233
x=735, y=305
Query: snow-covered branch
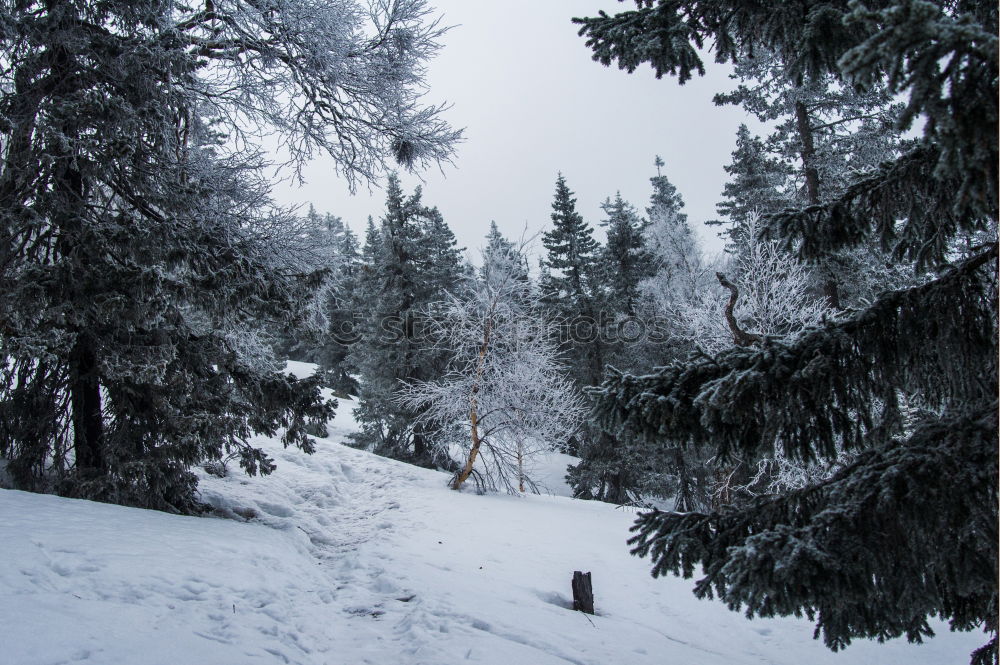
x=506, y=388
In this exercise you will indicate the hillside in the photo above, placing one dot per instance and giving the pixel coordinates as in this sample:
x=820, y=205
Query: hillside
x=349, y=558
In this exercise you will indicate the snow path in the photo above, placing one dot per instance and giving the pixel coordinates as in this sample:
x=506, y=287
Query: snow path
x=352, y=559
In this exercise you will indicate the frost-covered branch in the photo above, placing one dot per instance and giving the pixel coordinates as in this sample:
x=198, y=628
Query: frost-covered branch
x=506, y=388
x=336, y=77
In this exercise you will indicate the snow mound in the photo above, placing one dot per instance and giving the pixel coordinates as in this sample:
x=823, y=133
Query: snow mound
x=346, y=558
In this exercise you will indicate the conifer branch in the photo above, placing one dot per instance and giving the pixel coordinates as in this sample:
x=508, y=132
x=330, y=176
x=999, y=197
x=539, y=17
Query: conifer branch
x=891, y=509
x=820, y=392
x=910, y=188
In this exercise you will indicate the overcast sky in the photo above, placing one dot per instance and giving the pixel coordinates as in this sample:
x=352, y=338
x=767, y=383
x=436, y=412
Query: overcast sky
x=533, y=103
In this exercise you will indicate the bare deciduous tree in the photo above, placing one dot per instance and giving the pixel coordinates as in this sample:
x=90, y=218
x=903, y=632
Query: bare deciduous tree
x=506, y=390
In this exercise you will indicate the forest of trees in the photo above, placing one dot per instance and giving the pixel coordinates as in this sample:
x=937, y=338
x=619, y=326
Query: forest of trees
x=807, y=418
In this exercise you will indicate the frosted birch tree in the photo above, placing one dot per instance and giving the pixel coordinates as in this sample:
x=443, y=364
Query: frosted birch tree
x=506, y=392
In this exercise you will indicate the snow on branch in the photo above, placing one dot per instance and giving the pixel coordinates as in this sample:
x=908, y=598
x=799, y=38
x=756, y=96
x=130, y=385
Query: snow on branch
x=813, y=393
x=334, y=77
x=506, y=389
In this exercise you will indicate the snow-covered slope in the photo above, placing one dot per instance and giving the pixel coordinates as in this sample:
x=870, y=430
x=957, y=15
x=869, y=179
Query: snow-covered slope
x=349, y=558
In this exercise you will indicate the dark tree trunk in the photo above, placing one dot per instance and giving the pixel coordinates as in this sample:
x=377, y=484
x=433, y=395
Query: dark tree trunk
x=808, y=151
x=419, y=447
x=85, y=400
x=684, y=502
x=595, y=352
x=84, y=382
x=422, y=453
x=831, y=289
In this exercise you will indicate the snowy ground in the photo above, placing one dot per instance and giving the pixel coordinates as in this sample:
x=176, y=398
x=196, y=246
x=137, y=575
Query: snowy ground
x=347, y=559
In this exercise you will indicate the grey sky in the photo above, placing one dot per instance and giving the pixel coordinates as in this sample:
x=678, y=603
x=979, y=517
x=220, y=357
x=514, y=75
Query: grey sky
x=533, y=103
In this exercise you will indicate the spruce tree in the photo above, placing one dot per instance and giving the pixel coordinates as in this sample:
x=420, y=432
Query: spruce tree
x=862, y=552
x=339, y=310
x=671, y=243
x=571, y=247
x=827, y=131
x=409, y=262
x=665, y=199
x=499, y=251
x=606, y=469
x=326, y=331
x=755, y=187
x=678, y=276
x=574, y=299
x=624, y=260
x=570, y=286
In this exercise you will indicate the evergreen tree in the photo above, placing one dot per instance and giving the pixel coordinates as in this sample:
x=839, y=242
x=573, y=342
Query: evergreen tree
x=675, y=273
x=677, y=270
x=572, y=250
x=439, y=257
x=624, y=260
x=570, y=287
x=860, y=552
x=499, y=252
x=755, y=187
x=665, y=200
x=339, y=310
x=326, y=331
x=140, y=255
x=409, y=262
x=574, y=299
x=831, y=131
x=610, y=469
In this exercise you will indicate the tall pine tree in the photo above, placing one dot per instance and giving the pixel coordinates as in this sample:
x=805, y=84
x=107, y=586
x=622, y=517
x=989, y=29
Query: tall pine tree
x=624, y=260
x=827, y=131
x=409, y=261
x=326, y=332
x=755, y=187
x=499, y=251
x=608, y=469
x=571, y=287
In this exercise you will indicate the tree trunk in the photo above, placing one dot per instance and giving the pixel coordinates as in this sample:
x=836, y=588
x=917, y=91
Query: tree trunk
x=421, y=452
x=84, y=382
x=831, y=288
x=808, y=152
x=473, y=409
x=684, y=502
x=419, y=447
x=473, y=452
x=740, y=336
x=520, y=467
x=85, y=401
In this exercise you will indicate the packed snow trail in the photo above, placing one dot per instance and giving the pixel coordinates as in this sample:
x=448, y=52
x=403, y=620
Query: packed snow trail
x=352, y=559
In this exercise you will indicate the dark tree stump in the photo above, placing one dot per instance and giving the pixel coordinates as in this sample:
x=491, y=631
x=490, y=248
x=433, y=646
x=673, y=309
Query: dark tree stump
x=583, y=592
